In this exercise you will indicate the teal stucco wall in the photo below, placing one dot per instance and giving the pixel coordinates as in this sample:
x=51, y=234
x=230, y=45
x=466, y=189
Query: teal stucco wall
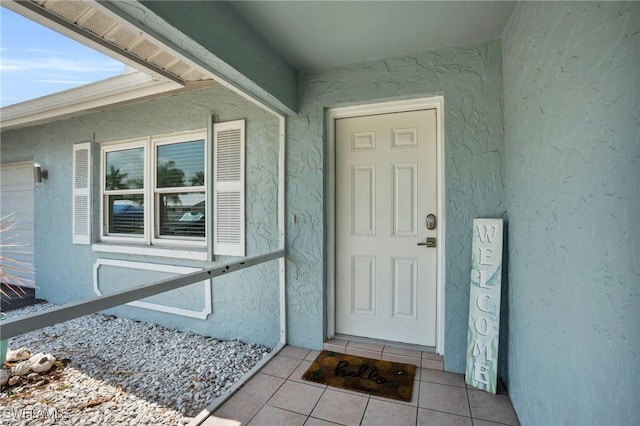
x=470, y=79
x=245, y=304
x=571, y=91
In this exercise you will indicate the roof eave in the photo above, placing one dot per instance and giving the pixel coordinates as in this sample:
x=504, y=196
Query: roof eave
x=89, y=98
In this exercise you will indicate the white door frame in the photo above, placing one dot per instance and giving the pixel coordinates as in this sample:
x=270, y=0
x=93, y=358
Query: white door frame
x=437, y=103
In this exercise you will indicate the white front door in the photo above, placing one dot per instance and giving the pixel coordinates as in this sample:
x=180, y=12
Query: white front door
x=16, y=198
x=385, y=189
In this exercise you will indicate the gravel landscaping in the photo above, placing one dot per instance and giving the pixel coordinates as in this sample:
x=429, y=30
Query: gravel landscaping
x=123, y=372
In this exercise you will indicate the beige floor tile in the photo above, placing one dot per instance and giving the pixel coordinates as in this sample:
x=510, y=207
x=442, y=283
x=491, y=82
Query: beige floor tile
x=431, y=356
x=281, y=366
x=272, y=416
x=445, y=398
x=239, y=409
x=403, y=359
x=260, y=388
x=219, y=421
x=437, y=418
x=350, y=392
x=340, y=407
x=297, y=397
x=402, y=351
x=343, y=390
x=414, y=396
x=295, y=352
x=312, y=421
x=442, y=377
x=335, y=345
x=374, y=347
x=478, y=422
x=495, y=408
x=296, y=376
x=432, y=364
x=384, y=413
x=312, y=356
x=364, y=353
x=300, y=370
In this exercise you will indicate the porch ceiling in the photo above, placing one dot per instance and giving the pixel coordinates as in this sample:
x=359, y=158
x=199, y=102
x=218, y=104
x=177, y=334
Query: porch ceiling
x=322, y=34
x=274, y=38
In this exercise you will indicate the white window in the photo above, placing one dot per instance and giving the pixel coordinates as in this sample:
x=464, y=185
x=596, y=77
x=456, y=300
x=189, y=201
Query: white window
x=157, y=191
x=154, y=191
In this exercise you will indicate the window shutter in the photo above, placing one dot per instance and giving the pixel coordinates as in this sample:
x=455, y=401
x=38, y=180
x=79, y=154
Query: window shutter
x=228, y=188
x=82, y=193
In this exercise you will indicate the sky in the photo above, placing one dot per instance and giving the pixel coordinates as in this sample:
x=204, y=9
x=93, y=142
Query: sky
x=36, y=61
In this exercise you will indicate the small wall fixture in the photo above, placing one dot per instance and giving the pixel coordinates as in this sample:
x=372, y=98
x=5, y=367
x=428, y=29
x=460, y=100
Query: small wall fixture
x=38, y=174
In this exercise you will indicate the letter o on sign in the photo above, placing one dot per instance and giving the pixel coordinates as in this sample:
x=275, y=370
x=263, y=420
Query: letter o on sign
x=483, y=325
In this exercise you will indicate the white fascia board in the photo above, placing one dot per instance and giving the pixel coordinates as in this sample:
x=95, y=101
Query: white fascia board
x=119, y=89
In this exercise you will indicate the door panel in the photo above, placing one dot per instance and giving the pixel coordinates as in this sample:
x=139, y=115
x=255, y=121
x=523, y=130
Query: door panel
x=363, y=285
x=364, y=201
x=405, y=196
x=385, y=188
x=404, y=288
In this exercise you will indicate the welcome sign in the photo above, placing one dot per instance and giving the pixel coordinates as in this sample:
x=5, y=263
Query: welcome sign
x=484, y=304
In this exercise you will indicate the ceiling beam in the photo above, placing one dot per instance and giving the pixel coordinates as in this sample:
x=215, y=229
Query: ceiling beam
x=213, y=36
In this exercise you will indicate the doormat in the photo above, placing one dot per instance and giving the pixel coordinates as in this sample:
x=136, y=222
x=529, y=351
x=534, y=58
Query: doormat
x=381, y=378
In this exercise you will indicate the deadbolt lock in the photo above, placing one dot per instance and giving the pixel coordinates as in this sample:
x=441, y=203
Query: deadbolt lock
x=431, y=222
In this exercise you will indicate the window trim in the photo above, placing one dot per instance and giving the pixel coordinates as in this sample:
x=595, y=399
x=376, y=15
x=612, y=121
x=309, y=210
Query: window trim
x=149, y=238
x=191, y=253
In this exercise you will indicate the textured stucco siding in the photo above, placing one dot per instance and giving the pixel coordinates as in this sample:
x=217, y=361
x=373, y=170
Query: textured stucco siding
x=245, y=304
x=470, y=79
x=571, y=89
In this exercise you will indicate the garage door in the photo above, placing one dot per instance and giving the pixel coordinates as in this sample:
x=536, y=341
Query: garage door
x=16, y=197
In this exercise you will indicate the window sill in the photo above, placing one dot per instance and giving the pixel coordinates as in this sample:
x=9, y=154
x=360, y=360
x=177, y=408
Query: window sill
x=144, y=250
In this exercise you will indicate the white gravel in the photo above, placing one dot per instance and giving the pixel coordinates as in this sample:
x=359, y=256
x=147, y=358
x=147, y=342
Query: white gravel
x=144, y=373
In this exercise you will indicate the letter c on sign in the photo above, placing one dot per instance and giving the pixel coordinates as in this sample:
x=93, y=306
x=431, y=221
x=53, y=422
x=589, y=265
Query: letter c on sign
x=486, y=297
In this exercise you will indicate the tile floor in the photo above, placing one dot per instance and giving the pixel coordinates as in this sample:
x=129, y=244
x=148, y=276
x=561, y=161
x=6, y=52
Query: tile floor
x=393, y=353
x=278, y=395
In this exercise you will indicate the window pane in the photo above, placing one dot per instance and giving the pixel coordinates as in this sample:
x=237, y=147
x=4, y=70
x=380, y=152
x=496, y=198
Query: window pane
x=127, y=214
x=182, y=215
x=125, y=169
x=180, y=164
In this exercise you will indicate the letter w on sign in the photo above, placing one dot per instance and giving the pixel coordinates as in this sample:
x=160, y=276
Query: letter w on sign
x=484, y=304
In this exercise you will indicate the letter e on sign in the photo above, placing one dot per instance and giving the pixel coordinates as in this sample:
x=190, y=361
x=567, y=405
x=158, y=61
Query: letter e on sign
x=486, y=256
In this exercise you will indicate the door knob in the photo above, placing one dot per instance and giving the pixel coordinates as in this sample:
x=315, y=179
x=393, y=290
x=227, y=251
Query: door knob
x=431, y=242
x=431, y=221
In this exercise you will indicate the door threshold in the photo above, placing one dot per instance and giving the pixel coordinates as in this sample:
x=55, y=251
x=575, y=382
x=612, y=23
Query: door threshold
x=420, y=356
